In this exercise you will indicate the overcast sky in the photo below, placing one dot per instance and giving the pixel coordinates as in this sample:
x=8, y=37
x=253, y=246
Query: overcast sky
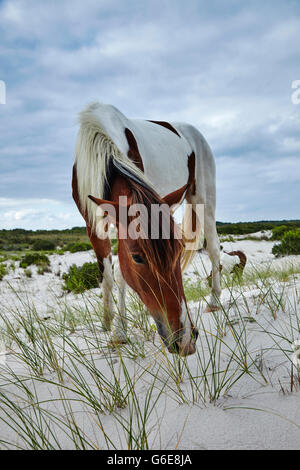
x=226, y=67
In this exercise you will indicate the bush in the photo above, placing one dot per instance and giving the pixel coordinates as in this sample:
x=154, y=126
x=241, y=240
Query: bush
x=40, y=245
x=290, y=244
x=38, y=259
x=78, y=246
x=278, y=232
x=79, y=279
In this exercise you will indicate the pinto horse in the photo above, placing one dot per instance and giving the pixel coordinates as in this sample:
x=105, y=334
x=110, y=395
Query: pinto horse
x=119, y=159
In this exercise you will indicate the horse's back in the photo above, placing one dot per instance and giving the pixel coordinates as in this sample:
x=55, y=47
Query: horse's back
x=164, y=147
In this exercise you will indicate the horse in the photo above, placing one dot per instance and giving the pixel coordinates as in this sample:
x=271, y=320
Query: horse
x=147, y=163
x=232, y=262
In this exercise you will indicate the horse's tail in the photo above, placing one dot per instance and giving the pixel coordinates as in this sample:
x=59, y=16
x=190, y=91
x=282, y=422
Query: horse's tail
x=193, y=235
x=93, y=153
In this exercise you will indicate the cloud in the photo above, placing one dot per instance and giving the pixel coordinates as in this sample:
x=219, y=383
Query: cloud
x=225, y=67
x=34, y=214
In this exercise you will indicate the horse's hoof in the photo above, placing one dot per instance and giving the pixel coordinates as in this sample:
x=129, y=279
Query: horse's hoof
x=211, y=308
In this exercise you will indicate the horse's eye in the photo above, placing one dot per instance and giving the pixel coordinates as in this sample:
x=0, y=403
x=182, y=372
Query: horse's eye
x=138, y=259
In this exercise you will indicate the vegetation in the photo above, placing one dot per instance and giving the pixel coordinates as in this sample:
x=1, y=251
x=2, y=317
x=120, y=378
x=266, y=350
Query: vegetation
x=79, y=279
x=242, y=228
x=38, y=259
x=77, y=246
x=44, y=245
x=20, y=240
x=278, y=232
x=290, y=244
x=3, y=271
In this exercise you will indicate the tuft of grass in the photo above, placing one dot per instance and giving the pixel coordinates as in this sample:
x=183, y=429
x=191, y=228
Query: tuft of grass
x=194, y=291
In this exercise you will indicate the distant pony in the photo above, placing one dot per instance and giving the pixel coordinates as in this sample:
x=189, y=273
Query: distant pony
x=147, y=163
x=232, y=262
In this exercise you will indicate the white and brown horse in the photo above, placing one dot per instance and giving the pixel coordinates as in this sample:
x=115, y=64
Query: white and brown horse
x=119, y=159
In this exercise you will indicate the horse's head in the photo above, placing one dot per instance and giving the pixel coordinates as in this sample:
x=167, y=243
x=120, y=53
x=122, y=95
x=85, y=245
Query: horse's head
x=150, y=264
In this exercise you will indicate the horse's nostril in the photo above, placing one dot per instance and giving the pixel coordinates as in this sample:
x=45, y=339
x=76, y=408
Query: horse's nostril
x=174, y=348
x=195, y=333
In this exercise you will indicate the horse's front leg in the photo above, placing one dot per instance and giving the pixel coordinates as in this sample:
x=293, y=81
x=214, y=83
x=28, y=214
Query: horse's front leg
x=102, y=248
x=107, y=288
x=120, y=324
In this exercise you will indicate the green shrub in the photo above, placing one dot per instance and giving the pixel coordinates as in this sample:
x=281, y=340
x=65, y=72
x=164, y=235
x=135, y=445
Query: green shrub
x=79, y=279
x=3, y=271
x=290, y=244
x=78, y=246
x=38, y=259
x=278, y=232
x=40, y=245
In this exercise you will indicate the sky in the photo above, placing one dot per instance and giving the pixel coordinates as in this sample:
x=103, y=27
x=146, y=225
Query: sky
x=227, y=67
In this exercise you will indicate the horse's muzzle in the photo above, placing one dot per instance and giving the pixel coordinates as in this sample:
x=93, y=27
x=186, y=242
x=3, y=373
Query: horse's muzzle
x=176, y=347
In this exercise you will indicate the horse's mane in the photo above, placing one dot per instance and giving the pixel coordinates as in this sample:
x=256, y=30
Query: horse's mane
x=94, y=152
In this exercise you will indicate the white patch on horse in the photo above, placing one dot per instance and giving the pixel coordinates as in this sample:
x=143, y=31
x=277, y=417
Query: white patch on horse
x=228, y=261
x=107, y=286
x=187, y=327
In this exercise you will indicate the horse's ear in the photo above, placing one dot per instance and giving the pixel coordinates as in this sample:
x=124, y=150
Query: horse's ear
x=176, y=196
x=99, y=202
x=110, y=209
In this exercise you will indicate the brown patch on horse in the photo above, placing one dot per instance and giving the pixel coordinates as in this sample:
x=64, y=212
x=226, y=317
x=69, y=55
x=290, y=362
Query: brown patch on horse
x=167, y=125
x=176, y=196
x=133, y=152
x=102, y=248
x=191, y=167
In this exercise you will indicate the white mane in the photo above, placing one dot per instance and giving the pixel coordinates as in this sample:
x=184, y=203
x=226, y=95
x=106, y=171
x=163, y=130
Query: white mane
x=94, y=148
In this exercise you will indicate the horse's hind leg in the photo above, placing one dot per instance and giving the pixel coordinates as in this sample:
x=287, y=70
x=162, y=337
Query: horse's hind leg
x=102, y=249
x=213, y=248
